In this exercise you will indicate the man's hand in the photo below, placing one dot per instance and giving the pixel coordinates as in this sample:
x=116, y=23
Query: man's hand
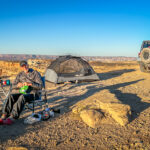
x=27, y=84
x=19, y=84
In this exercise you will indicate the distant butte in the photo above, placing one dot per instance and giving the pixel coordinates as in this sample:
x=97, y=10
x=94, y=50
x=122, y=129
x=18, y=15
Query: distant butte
x=18, y=57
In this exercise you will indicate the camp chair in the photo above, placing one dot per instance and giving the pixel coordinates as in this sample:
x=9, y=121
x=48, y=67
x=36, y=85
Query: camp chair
x=42, y=100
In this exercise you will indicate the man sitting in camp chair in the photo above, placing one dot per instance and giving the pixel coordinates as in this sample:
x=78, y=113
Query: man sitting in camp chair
x=29, y=82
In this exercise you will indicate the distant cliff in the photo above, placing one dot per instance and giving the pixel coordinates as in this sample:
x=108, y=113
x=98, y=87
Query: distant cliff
x=18, y=57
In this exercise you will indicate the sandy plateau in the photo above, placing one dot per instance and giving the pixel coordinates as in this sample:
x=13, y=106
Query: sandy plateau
x=113, y=113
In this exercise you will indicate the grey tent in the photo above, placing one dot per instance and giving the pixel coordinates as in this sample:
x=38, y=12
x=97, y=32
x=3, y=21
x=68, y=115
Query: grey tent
x=70, y=68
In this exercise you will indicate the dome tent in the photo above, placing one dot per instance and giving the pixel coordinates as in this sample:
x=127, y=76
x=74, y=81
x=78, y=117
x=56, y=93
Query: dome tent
x=69, y=68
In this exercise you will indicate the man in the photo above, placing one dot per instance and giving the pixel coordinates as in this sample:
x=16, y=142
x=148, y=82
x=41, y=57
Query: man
x=15, y=103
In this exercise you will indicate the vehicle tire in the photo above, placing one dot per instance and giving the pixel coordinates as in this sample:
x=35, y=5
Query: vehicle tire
x=145, y=55
x=143, y=68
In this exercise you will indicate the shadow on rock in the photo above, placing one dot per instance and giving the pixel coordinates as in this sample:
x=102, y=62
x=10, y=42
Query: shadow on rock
x=135, y=103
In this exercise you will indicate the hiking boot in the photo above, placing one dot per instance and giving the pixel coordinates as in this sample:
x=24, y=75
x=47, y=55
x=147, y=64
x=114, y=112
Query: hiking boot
x=3, y=117
x=8, y=121
x=1, y=121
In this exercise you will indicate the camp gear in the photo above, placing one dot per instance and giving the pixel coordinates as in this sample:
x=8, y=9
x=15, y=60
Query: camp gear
x=4, y=82
x=23, y=90
x=70, y=68
x=45, y=115
x=51, y=113
x=55, y=110
x=33, y=118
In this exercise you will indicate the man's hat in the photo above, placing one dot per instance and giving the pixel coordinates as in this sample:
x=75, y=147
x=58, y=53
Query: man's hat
x=23, y=63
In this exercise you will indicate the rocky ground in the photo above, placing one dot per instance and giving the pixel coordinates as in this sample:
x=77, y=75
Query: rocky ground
x=121, y=99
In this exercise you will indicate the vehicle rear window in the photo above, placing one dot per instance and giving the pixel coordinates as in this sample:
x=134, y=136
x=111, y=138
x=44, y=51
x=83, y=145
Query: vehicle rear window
x=146, y=45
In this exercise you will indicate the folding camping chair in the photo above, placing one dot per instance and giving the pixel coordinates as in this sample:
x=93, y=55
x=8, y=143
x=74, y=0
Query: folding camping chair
x=38, y=102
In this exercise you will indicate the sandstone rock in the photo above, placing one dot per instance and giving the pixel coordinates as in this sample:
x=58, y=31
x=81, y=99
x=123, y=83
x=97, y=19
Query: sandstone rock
x=120, y=112
x=91, y=117
x=107, y=102
x=79, y=108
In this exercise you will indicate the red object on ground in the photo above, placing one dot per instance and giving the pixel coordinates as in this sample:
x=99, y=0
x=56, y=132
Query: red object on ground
x=1, y=121
x=8, y=121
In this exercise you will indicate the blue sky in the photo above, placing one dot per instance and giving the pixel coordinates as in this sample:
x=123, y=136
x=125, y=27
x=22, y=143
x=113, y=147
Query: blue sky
x=78, y=27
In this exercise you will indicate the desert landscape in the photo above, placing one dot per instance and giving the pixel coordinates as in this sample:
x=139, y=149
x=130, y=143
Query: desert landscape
x=112, y=113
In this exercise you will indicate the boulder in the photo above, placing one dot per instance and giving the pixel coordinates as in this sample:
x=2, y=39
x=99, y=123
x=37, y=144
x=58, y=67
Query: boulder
x=108, y=103
x=91, y=117
x=120, y=112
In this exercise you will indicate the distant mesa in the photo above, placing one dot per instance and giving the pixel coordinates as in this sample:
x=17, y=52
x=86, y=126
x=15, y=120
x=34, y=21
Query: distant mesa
x=18, y=57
